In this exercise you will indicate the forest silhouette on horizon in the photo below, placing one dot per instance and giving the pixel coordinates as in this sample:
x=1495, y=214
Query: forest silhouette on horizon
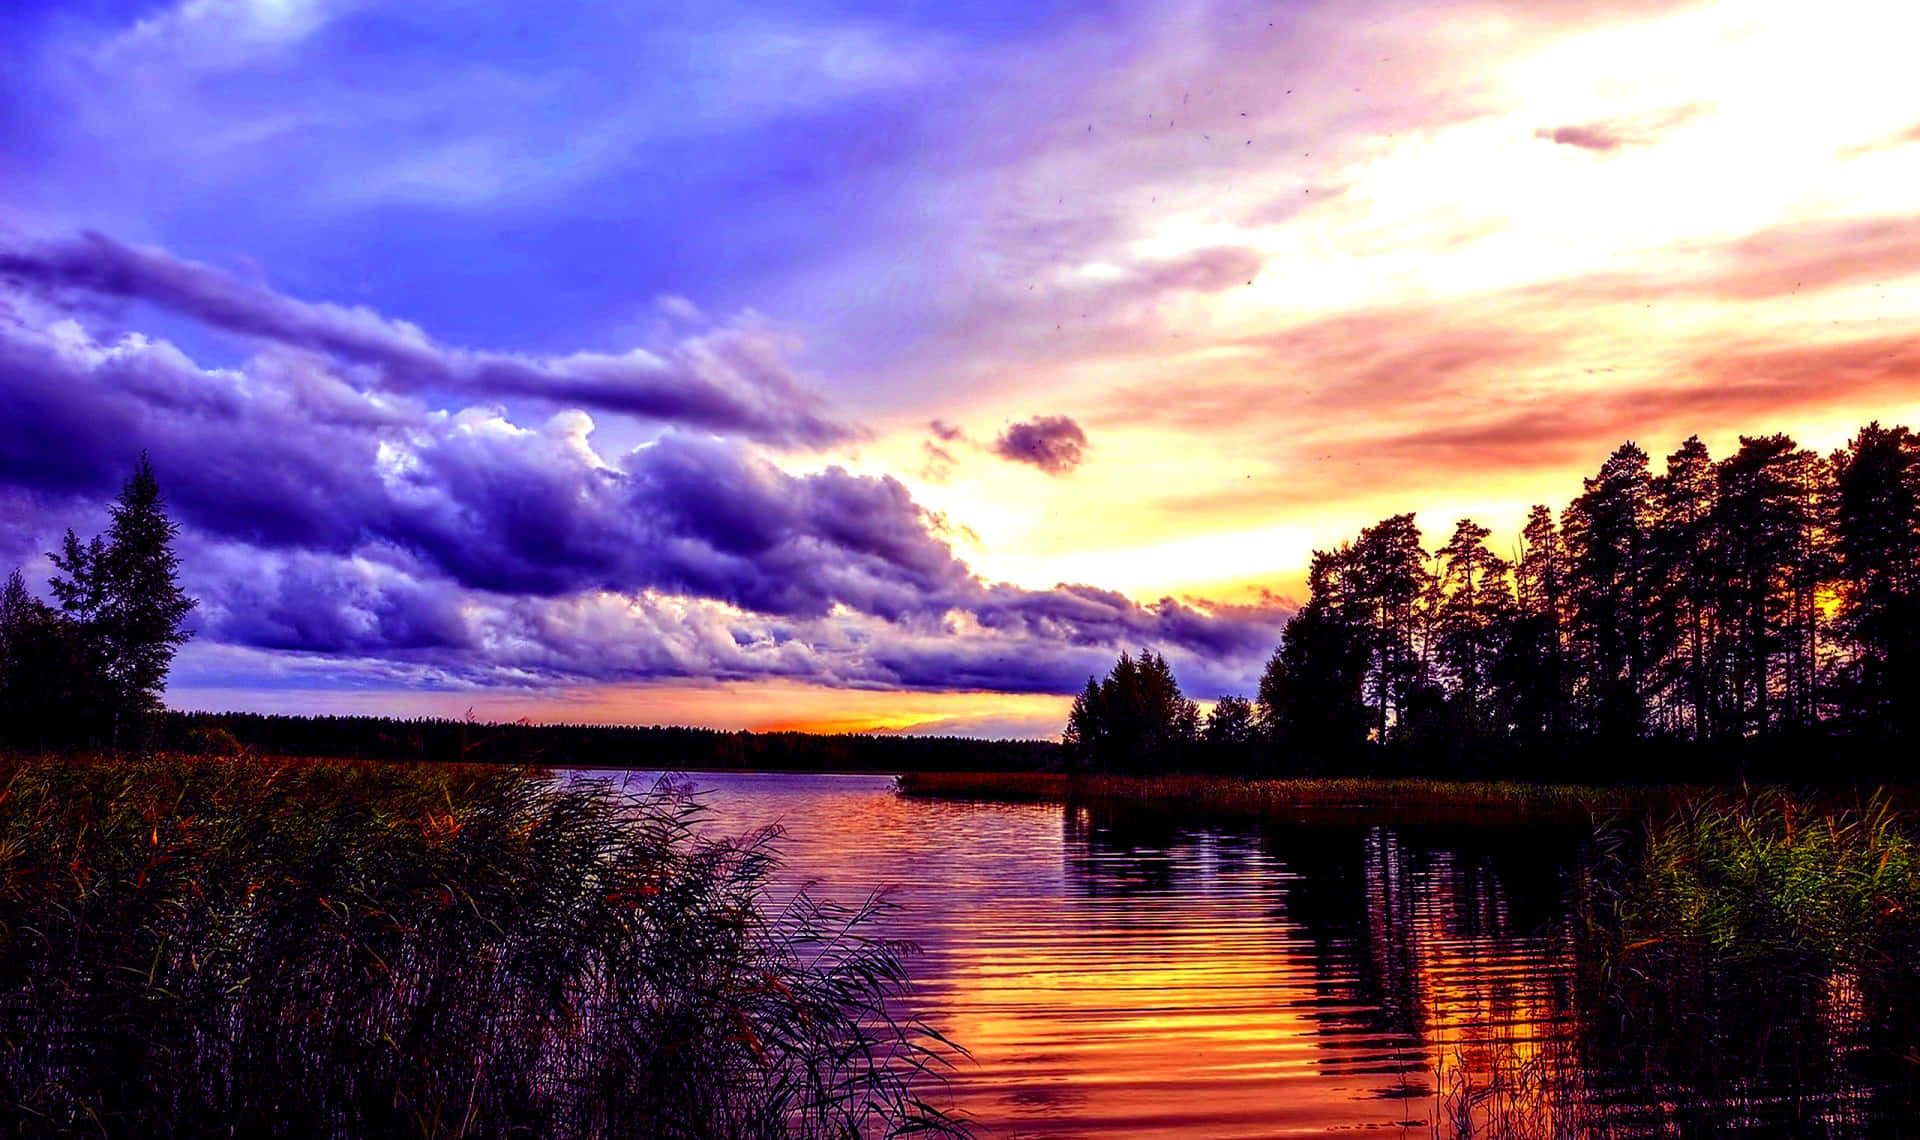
x=1713, y=621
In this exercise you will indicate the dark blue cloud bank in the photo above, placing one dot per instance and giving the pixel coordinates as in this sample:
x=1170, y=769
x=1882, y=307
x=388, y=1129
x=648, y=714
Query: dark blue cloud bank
x=355, y=493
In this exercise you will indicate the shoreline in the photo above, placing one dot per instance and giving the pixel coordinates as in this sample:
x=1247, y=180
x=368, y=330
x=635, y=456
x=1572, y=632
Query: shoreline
x=1321, y=801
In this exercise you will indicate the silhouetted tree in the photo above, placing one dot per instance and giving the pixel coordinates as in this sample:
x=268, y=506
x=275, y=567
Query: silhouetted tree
x=121, y=599
x=1134, y=719
x=1720, y=603
x=1877, y=543
x=1609, y=562
x=1473, y=619
x=1230, y=736
x=145, y=603
x=1771, y=520
x=1387, y=577
x=1312, y=707
x=44, y=681
x=1682, y=632
x=1531, y=673
x=80, y=589
x=1085, y=735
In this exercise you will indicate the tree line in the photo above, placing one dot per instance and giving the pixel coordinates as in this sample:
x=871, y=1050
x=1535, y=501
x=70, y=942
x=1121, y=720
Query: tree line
x=440, y=739
x=1712, y=620
x=88, y=670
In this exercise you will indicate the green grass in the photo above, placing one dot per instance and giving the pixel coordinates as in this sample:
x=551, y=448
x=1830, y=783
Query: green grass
x=1731, y=879
x=1745, y=963
x=246, y=947
x=1402, y=801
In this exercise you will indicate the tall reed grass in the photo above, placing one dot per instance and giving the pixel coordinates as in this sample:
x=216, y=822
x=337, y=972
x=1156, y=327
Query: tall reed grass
x=1369, y=801
x=1754, y=964
x=1744, y=966
x=227, y=947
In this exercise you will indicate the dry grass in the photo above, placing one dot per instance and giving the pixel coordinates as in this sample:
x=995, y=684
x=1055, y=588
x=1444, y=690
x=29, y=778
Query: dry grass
x=994, y=787
x=1330, y=800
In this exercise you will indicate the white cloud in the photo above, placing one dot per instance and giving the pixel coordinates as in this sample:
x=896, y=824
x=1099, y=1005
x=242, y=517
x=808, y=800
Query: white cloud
x=215, y=35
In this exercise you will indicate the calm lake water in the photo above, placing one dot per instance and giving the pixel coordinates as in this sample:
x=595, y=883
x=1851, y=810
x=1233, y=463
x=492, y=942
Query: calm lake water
x=1118, y=982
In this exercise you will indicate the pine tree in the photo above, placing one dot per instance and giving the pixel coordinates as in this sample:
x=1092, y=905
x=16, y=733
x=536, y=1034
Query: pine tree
x=1134, y=719
x=1877, y=544
x=80, y=587
x=1683, y=635
x=1085, y=737
x=145, y=604
x=1771, y=518
x=1609, y=578
x=1472, y=617
x=1532, y=670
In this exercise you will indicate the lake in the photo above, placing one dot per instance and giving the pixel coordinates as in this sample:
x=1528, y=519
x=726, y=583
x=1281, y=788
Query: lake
x=1121, y=980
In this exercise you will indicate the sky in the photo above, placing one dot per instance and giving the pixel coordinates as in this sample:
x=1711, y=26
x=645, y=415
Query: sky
x=891, y=366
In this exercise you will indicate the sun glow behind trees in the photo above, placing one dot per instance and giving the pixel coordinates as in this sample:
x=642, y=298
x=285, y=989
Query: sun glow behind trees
x=1768, y=597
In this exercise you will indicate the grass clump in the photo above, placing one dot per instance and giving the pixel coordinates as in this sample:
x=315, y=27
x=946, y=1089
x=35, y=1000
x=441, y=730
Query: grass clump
x=1350, y=801
x=993, y=787
x=1731, y=882
x=1752, y=964
x=226, y=947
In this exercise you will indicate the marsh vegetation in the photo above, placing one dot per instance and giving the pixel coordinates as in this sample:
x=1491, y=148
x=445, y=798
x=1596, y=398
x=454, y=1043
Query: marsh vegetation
x=221, y=946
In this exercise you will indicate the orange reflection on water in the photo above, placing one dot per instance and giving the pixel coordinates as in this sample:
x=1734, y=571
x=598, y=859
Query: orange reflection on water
x=1119, y=983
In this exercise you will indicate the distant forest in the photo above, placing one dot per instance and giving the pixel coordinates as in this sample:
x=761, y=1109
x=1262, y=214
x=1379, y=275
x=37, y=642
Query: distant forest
x=1756, y=616
x=592, y=746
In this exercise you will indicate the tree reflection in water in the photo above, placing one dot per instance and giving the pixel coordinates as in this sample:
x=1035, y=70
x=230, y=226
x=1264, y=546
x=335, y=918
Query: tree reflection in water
x=1464, y=967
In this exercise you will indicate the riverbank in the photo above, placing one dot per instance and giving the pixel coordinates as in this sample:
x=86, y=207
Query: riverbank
x=1357, y=801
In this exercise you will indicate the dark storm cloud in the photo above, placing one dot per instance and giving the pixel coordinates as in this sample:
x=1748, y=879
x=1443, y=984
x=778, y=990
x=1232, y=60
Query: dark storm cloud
x=369, y=614
x=329, y=520
x=315, y=603
x=1054, y=444
x=731, y=380
x=487, y=504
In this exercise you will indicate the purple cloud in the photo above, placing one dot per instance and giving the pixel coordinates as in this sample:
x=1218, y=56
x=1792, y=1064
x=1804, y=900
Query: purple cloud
x=1054, y=444
x=734, y=380
x=325, y=519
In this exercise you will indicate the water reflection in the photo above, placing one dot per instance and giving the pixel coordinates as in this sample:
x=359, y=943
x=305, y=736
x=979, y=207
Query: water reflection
x=1126, y=977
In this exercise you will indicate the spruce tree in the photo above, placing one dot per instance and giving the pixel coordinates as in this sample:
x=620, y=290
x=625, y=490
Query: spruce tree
x=145, y=602
x=121, y=593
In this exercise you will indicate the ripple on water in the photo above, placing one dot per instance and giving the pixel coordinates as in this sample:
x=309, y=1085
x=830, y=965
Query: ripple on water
x=1193, y=983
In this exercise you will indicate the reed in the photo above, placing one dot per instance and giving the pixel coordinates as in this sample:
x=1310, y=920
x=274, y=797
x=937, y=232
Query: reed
x=242, y=947
x=1390, y=801
x=1745, y=964
x=1731, y=879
